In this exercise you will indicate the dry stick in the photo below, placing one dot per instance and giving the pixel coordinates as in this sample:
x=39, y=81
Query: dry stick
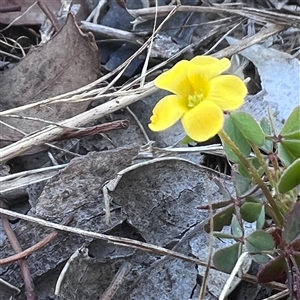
x=127, y=243
x=47, y=144
x=110, y=32
x=28, y=282
x=51, y=132
x=16, y=44
x=116, y=282
x=93, y=130
x=247, y=42
x=85, y=88
x=10, y=55
x=34, y=248
x=250, y=13
x=43, y=6
x=104, y=78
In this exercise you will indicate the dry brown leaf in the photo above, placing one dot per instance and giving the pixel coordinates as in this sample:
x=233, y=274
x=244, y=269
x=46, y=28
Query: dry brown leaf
x=68, y=61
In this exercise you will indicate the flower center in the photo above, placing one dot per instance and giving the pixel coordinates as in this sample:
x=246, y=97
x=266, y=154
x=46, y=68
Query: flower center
x=194, y=100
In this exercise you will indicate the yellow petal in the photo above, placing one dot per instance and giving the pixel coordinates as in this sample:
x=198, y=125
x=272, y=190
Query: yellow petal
x=198, y=80
x=203, y=121
x=167, y=112
x=227, y=91
x=175, y=80
x=211, y=66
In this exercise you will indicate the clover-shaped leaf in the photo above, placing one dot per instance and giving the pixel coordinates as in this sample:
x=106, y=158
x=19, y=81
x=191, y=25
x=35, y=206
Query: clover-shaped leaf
x=266, y=127
x=258, y=241
x=221, y=219
x=249, y=127
x=292, y=146
x=250, y=211
x=285, y=156
x=290, y=177
x=261, y=218
x=236, y=227
x=291, y=128
x=272, y=270
x=242, y=184
x=291, y=230
x=237, y=137
x=289, y=144
x=225, y=259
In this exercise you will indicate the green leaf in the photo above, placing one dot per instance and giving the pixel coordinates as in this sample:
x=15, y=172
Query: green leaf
x=285, y=156
x=237, y=137
x=290, y=177
x=236, y=228
x=225, y=259
x=292, y=124
x=221, y=219
x=257, y=241
x=249, y=127
x=266, y=127
x=241, y=184
x=251, y=211
x=272, y=270
x=292, y=136
x=291, y=230
x=293, y=146
x=261, y=219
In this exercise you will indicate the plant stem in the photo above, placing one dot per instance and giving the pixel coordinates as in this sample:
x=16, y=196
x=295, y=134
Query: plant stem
x=274, y=212
x=263, y=163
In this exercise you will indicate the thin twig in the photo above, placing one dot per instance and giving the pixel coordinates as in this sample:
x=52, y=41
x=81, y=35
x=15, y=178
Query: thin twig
x=50, y=132
x=44, y=7
x=28, y=282
x=126, y=242
x=10, y=55
x=116, y=282
x=34, y=248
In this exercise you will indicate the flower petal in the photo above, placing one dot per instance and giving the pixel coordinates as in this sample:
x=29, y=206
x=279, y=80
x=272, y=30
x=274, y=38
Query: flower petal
x=211, y=66
x=203, y=121
x=167, y=112
x=175, y=80
x=227, y=91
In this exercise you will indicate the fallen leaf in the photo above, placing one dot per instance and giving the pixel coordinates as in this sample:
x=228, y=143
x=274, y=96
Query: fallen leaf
x=68, y=61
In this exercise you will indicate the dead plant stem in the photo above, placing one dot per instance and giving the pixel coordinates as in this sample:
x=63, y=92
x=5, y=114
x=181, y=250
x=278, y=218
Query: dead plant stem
x=28, y=282
x=125, y=242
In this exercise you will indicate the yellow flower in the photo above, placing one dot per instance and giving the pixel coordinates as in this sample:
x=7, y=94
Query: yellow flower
x=200, y=95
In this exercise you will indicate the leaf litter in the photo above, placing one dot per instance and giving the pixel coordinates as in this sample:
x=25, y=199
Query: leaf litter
x=153, y=202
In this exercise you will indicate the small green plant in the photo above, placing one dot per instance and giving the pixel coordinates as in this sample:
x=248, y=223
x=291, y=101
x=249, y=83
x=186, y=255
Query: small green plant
x=263, y=161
